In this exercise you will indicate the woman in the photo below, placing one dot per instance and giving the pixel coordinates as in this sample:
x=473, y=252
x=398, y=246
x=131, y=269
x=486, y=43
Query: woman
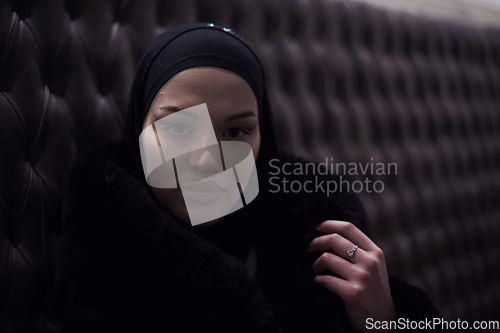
x=138, y=264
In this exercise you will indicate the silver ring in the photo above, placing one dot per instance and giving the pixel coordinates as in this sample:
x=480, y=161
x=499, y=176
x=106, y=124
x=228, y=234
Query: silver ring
x=350, y=253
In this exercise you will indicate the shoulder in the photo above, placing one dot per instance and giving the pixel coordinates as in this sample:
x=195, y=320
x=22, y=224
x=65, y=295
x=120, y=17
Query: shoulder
x=131, y=258
x=307, y=189
x=293, y=213
x=102, y=205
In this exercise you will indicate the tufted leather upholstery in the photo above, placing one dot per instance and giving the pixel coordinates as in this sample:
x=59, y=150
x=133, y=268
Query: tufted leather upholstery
x=347, y=81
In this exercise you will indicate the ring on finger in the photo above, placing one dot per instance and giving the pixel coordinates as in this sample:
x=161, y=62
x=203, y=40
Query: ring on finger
x=350, y=253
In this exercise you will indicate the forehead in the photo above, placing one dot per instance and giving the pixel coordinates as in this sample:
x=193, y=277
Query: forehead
x=218, y=87
x=201, y=74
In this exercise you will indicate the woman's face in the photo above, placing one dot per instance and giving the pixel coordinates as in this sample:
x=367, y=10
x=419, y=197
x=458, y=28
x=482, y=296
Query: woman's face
x=233, y=109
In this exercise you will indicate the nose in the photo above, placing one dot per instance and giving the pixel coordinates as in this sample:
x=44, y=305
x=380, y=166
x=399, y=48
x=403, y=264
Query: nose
x=206, y=160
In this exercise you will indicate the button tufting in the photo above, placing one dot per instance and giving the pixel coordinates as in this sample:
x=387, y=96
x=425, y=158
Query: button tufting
x=421, y=92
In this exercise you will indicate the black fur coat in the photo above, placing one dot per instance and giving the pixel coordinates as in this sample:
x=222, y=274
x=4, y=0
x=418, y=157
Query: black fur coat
x=136, y=269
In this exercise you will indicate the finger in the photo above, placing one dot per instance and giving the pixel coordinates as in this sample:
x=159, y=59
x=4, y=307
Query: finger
x=336, y=242
x=335, y=264
x=349, y=231
x=338, y=286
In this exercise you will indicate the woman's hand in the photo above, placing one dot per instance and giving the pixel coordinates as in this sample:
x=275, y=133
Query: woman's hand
x=364, y=286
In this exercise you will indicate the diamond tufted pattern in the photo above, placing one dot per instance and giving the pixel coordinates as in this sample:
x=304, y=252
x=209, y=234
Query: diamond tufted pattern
x=347, y=80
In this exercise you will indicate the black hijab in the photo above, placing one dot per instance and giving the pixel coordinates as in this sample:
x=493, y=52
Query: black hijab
x=205, y=44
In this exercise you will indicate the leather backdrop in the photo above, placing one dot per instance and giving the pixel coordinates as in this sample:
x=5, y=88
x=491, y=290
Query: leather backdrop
x=347, y=81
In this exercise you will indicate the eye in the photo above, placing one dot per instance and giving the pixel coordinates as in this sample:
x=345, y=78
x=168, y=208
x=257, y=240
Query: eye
x=177, y=130
x=235, y=133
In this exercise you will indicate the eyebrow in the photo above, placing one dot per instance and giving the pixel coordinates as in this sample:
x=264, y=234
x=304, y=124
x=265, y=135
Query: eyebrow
x=172, y=108
x=243, y=114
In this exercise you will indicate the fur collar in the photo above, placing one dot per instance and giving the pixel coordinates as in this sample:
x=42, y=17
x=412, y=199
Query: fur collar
x=141, y=270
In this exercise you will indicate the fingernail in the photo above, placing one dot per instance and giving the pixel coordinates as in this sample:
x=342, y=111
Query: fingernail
x=317, y=225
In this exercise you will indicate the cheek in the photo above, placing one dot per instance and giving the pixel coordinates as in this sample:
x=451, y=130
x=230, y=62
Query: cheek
x=256, y=145
x=148, y=120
